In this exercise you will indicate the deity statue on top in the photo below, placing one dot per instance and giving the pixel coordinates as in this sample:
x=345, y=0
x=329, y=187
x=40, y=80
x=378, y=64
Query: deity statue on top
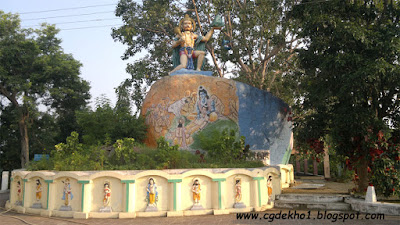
x=189, y=48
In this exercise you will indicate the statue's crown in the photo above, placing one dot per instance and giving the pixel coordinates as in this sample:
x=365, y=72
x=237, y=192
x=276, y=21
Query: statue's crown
x=187, y=18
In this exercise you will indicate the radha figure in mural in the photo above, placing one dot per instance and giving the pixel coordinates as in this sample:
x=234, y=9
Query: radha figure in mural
x=181, y=134
x=152, y=194
x=67, y=192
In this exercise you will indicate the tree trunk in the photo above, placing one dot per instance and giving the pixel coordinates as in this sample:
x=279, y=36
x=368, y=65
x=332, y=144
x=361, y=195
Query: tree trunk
x=362, y=172
x=315, y=167
x=23, y=130
x=327, y=168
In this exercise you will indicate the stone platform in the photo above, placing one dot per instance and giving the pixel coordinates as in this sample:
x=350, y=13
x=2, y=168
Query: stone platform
x=129, y=190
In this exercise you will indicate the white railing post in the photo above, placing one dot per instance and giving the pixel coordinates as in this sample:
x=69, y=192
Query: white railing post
x=4, y=180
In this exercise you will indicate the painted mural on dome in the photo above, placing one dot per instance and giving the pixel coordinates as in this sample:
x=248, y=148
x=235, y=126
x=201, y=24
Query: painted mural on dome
x=202, y=107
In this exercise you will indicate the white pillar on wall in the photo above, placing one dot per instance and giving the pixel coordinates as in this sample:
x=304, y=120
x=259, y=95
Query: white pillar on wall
x=4, y=180
x=178, y=196
x=51, y=195
x=130, y=199
x=132, y=193
x=25, y=188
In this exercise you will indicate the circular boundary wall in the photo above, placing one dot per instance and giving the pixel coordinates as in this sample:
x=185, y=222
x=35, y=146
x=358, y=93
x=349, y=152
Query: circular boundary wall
x=128, y=191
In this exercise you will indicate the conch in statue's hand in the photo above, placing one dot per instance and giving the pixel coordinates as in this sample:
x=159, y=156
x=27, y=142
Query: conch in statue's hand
x=217, y=23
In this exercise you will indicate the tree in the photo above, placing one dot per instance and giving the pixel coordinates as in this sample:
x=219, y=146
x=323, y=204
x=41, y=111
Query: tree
x=43, y=132
x=261, y=40
x=35, y=70
x=9, y=140
x=351, y=76
x=106, y=124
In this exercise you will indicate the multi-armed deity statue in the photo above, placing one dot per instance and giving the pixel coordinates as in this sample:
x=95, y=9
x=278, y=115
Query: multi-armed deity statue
x=189, y=48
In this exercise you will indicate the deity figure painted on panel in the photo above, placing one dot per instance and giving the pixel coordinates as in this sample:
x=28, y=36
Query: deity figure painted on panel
x=193, y=114
x=269, y=186
x=67, y=192
x=181, y=135
x=107, y=193
x=106, y=197
x=38, y=190
x=205, y=108
x=238, y=190
x=38, y=194
x=238, y=193
x=151, y=195
x=196, y=191
x=19, y=193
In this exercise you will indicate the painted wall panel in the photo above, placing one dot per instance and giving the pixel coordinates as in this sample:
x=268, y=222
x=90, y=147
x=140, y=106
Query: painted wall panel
x=181, y=108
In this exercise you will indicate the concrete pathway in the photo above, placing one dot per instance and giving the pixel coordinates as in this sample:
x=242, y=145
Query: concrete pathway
x=318, y=185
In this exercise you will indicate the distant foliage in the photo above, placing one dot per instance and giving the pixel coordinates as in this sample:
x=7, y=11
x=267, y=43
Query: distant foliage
x=108, y=124
x=67, y=156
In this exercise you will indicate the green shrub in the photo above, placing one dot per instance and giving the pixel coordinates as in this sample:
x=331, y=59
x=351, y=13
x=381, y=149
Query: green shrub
x=145, y=161
x=124, y=151
x=126, y=154
x=71, y=156
x=169, y=157
x=224, y=146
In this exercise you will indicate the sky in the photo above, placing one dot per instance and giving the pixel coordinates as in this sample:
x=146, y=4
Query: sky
x=86, y=37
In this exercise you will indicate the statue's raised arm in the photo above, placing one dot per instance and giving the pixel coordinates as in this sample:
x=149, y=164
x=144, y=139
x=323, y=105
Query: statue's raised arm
x=188, y=47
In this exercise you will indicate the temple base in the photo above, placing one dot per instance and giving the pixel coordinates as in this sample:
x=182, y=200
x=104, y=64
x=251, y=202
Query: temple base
x=106, y=209
x=239, y=205
x=65, y=208
x=197, y=207
x=191, y=72
x=37, y=205
x=151, y=208
x=18, y=203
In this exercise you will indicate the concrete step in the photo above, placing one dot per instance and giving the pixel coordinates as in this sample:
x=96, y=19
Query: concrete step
x=301, y=176
x=313, y=198
x=340, y=206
